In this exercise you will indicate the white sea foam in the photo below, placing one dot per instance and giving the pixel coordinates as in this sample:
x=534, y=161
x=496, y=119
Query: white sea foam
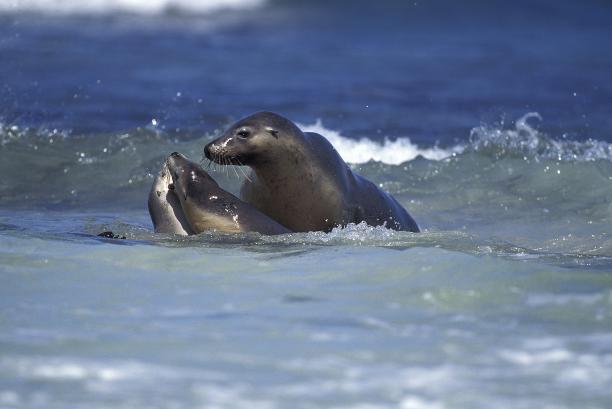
x=66, y=369
x=392, y=152
x=540, y=299
x=356, y=233
x=521, y=138
x=144, y=7
x=525, y=139
x=414, y=402
x=569, y=367
x=530, y=358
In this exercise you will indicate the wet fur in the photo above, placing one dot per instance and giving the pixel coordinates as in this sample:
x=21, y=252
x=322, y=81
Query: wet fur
x=300, y=180
x=205, y=206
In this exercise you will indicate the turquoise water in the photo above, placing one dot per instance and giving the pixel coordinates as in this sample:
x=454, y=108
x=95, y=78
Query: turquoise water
x=488, y=121
x=412, y=323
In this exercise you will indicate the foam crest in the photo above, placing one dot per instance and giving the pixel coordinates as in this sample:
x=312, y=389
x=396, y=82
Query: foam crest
x=569, y=367
x=69, y=369
x=392, y=152
x=520, y=139
x=525, y=139
x=352, y=233
x=144, y=7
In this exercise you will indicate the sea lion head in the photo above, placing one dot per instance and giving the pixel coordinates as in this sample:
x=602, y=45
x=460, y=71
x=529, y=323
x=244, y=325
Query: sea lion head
x=188, y=178
x=165, y=207
x=252, y=139
x=206, y=206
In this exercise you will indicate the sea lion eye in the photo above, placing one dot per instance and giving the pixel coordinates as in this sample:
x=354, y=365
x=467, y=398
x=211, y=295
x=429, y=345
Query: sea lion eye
x=243, y=133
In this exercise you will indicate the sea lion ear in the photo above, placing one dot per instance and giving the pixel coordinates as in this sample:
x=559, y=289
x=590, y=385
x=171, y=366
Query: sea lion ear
x=273, y=132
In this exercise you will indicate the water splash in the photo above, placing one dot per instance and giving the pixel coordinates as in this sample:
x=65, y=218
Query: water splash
x=526, y=140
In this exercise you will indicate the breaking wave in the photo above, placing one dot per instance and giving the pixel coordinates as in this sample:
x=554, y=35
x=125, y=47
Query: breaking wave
x=62, y=165
x=392, y=152
x=141, y=7
x=522, y=138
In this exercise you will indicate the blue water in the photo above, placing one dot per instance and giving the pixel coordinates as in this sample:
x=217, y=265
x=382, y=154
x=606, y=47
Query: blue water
x=431, y=71
x=489, y=121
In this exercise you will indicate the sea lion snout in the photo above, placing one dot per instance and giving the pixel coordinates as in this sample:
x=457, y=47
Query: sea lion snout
x=225, y=150
x=177, y=165
x=216, y=148
x=219, y=146
x=187, y=175
x=210, y=149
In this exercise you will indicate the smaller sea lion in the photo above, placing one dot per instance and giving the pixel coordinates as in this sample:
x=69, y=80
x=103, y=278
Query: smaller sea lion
x=205, y=206
x=164, y=207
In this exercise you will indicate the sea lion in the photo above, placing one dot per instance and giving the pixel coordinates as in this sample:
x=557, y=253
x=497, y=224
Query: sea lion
x=164, y=207
x=300, y=180
x=203, y=205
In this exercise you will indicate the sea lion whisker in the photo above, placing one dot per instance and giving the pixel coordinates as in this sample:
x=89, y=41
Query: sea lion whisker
x=243, y=171
x=240, y=167
x=216, y=160
x=236, y=172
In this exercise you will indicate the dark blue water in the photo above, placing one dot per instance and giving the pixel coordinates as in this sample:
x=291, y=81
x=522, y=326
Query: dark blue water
x=429, y=70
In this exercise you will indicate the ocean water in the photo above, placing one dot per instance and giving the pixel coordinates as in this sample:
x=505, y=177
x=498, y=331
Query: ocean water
x=489, y=121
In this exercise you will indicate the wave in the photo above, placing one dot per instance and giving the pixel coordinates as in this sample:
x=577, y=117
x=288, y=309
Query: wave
x=392, y=152
x=504, y=181
x=61, y=166
x=521, y=139
x=140, y=7
x=524, y=139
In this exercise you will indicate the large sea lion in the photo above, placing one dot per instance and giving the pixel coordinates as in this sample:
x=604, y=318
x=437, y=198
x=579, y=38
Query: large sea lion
x=192, y=202
x=300, y=180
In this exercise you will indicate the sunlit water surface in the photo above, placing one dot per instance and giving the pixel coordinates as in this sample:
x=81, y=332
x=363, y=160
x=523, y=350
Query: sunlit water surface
x=490, y=123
